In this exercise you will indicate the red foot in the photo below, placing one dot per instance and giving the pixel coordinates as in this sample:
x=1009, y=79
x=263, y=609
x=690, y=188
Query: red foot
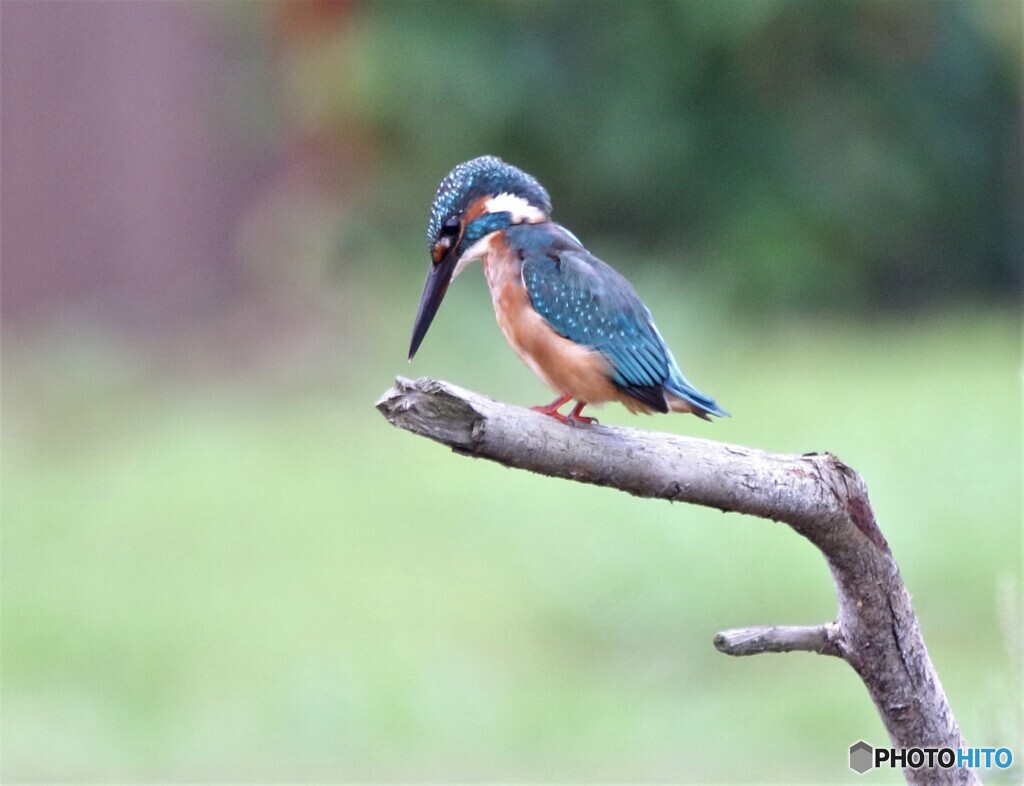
x=551, y=410
x=574, y=418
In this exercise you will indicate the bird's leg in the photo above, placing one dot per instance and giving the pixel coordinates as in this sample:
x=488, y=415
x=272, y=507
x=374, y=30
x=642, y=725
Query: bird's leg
x=576, y=417
x=552, y=409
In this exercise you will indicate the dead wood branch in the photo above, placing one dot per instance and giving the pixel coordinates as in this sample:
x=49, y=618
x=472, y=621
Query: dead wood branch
x=876, y=631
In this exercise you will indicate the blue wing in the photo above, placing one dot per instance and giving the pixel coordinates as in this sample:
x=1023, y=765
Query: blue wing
x=590, y=303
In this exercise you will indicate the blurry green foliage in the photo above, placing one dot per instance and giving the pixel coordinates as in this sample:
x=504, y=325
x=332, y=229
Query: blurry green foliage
x=798, y=154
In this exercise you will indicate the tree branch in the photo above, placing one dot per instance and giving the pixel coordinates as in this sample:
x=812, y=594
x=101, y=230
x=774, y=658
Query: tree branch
x=815, y=494
x=823, y=639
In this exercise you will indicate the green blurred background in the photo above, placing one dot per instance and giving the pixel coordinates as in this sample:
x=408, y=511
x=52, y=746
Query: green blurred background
x=220, y=563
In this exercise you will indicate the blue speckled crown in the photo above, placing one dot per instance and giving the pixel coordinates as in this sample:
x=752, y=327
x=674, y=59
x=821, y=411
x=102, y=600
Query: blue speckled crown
x=486, y=175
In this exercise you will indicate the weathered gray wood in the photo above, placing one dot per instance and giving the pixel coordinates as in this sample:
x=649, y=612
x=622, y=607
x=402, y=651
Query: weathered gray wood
x=815, y=494
x=823, y=639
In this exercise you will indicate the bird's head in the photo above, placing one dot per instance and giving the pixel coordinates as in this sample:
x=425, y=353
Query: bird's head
x=474, y=200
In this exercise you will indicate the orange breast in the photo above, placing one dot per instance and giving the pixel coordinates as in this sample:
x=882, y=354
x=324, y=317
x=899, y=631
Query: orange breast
x=563, y=365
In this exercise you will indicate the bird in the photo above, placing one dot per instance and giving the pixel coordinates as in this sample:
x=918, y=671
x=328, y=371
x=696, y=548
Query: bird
x=575, y=321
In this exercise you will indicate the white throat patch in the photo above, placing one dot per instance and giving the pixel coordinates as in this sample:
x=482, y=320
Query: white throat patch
x=476, y=251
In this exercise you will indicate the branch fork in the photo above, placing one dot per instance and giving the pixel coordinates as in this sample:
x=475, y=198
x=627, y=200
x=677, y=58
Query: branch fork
x=876, y=630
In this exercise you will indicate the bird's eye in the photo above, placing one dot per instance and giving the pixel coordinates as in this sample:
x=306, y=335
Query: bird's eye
x=450, y=227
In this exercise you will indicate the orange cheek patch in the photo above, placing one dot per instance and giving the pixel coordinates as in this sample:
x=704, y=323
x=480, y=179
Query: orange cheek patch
x=476, y=209
x=440, y=249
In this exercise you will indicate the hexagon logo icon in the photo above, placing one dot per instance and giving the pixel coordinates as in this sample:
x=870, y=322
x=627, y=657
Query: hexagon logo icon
x=861, y=757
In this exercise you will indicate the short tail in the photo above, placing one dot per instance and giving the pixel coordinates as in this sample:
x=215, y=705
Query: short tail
x=684, y=397
x=681, y=395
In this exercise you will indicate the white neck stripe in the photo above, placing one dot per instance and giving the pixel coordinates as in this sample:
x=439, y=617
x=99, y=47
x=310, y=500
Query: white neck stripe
x=522, y=212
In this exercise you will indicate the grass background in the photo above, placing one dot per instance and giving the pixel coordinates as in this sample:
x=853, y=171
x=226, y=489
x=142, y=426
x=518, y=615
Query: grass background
x=232, y=579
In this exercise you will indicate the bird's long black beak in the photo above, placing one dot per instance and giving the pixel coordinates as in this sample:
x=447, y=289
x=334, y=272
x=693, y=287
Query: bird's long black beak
x=438, y=278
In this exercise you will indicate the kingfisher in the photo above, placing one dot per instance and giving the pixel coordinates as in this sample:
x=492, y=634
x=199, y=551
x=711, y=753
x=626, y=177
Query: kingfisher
x=575, y=321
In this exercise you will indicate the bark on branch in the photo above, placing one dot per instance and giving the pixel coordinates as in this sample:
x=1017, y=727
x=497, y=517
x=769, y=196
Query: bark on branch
x=876, y=631
x=823, y=639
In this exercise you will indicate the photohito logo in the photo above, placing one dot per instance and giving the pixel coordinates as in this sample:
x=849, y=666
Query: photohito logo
x=863, y=758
